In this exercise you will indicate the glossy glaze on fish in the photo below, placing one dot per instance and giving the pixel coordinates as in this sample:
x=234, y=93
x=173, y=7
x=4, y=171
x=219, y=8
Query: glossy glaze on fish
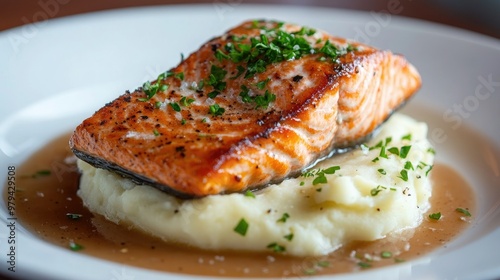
x=254, y=106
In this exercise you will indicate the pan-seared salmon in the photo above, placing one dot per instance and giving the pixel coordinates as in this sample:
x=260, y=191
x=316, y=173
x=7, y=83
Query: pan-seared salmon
x=256, y=105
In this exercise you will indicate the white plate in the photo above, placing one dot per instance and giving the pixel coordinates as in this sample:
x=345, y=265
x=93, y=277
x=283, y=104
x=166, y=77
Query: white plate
x=54, y=74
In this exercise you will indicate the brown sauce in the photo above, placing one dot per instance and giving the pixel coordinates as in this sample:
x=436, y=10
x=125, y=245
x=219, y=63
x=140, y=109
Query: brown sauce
x=43, y=200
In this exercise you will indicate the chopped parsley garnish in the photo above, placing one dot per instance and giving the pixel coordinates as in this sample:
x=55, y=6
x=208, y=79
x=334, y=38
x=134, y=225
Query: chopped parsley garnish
x=394, y=150
x=43, y=172
x=200, y=86
x=175, y=106
x=158, y=104
x=409, y=166
x=180, y=76
x=73, y=216
x=429, y=170
x=216, y=78
x=262, y=84
x=220, y=55
x=398, y=260
x=463, y=211
x=324, y=264
x=309, y=271
x=167, y=74
x=242, y=227
x=320, y=174
x=331, y=50
x=39, y=173
x=261, y=101
x=376, y=190
x=240, y=69
x=404, y=175
x=382, y=171
x=321, y=179
x=245, y=97
x=216, y=110
x=156, y=133
x=283, y=218
x=382, y=152
x=406, y=137
x=378, y=145
x=238, y=39
x=431, y=150
x=152, y=89
x=213, y=94
x=251, y=56
x=364, y=265
x=330, y=170
x=404, y=151
x=183, y=121
x=186, y=101
x=275, y=45
x=351, y=48
x=421, y=165
x=164, y=75
x=249, y=193
x=75, y=246
x=288, y=237
x=386, y=254
x=435, y=216
x=276, y=247
x=305, y=31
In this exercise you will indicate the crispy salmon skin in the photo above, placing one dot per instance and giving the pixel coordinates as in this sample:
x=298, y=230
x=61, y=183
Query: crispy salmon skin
x=253, y=106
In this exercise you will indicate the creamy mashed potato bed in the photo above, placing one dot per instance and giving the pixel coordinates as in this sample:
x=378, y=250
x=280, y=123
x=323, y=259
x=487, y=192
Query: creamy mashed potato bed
x=372, y=192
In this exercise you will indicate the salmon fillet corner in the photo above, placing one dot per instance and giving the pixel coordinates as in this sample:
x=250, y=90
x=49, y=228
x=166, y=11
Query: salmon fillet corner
x=254, y=106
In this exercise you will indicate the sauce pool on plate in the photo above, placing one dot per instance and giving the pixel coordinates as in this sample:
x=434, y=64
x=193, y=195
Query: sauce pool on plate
x=47, y=205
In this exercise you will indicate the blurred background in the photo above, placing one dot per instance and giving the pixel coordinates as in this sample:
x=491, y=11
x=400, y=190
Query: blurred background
x=482, y=16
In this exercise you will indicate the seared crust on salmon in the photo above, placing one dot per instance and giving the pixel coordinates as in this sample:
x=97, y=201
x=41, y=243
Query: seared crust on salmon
x=254, y=106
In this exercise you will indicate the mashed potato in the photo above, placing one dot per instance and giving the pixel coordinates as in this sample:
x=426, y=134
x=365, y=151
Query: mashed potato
x=365, y=194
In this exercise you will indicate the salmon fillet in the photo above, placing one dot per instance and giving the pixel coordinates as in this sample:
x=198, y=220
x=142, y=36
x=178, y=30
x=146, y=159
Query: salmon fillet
x=252, y=107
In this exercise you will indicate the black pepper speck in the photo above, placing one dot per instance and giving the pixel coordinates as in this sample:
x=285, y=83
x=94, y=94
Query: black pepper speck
x=297, y=78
